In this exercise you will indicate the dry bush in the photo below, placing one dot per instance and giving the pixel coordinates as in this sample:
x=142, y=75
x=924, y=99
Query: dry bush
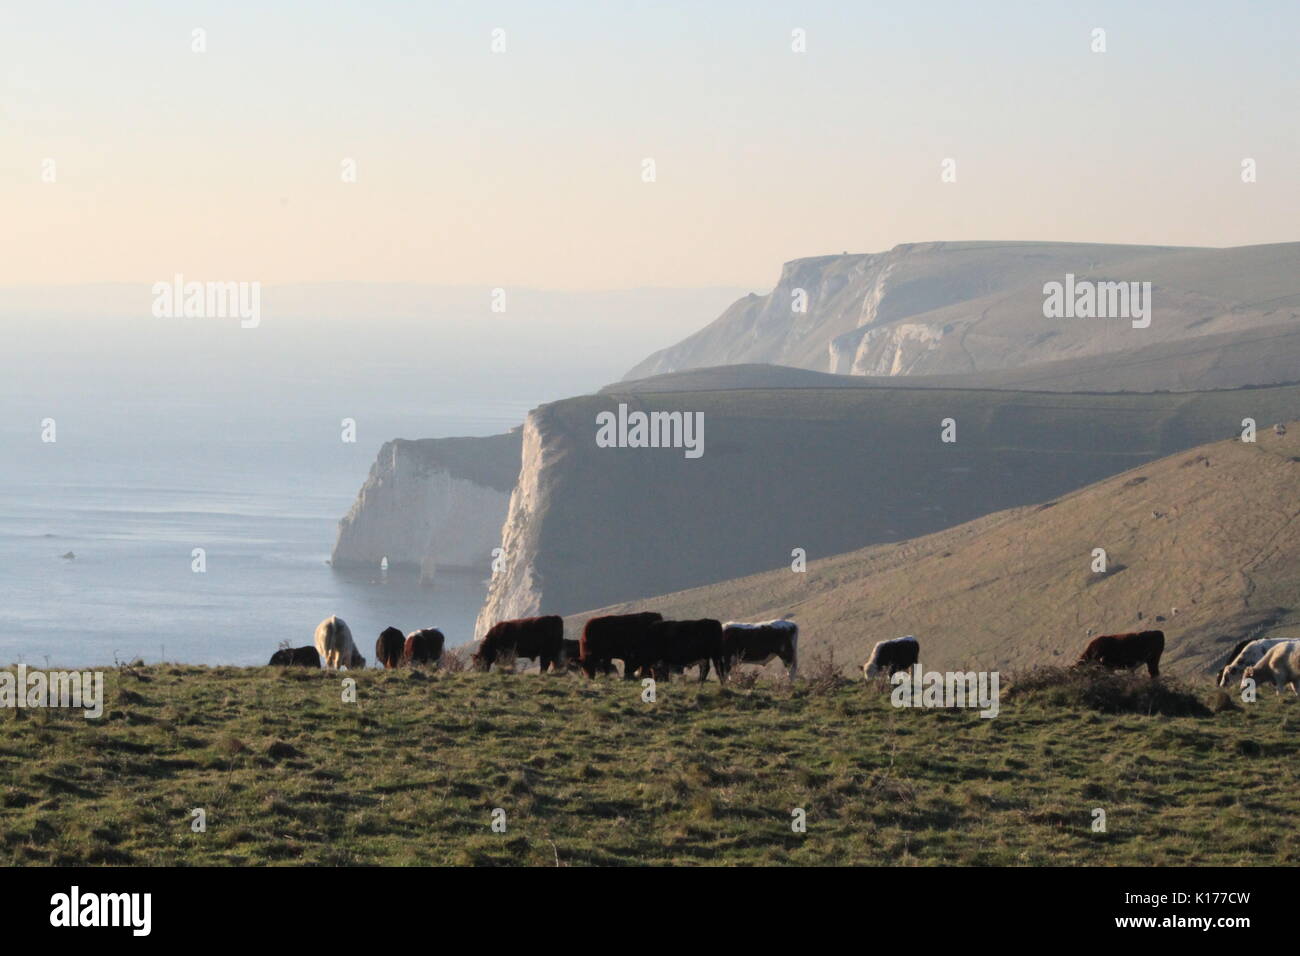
x=823, y=673
x=454, y=660
x=1110, y=692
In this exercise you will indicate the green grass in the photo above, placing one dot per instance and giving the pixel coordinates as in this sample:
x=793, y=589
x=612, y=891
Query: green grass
x=588, y=774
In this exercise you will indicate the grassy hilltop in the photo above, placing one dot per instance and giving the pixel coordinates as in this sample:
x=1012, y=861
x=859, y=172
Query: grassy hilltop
x=589, y=774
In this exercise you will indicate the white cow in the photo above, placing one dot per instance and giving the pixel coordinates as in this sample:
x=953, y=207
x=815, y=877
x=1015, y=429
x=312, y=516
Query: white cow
x=1247, y=655
x=334, y=644
x=1281, y=664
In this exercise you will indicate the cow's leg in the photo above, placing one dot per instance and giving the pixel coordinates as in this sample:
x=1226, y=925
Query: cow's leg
x=704, y=671
x=1153, y=667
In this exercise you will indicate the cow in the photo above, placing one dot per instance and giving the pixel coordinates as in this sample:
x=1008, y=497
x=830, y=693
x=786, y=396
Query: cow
x=761, y=643
x=334, y=644
x=1247, y=652
x=539, y=638
x=1125, y=651
x=571, y=654
x=891, y=656
x=388, y=648
x=295, y=657
x=1281, y=664
x=423, y=646
x=615, y=636
x=672, y=646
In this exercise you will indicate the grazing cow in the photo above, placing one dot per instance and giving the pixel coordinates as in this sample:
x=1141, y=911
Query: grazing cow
x=334, y=644
x=539, y=638
x=1246, y=652
x=891, y=656
x=615, y=636
x=761, y=643
x=1125, y=651
x=1281, y=664
x=424, y=646
x=676, y=645
x=295, y=657
x=388, y=648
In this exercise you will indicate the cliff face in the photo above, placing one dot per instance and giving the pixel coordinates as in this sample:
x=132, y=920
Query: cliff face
x=942, y=308
x=825, y=470
x=433, y=503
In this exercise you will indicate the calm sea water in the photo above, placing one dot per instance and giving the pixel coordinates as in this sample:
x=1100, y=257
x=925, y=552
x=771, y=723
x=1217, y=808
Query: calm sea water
x=176, y=435
x=132, y=591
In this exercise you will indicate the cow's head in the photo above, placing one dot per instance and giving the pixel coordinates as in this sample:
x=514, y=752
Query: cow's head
x=1232, y=670
x=481, y=660
x=356, y=662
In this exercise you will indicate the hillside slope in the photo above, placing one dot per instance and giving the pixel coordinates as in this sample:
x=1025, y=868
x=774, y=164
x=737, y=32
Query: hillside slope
x=942, y=308
x=824, y=470
x=1210, y=531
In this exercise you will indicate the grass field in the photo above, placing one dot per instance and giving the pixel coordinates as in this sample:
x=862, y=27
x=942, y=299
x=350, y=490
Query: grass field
x=587, y=773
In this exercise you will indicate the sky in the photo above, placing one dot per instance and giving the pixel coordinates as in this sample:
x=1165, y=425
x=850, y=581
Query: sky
x=527, y=166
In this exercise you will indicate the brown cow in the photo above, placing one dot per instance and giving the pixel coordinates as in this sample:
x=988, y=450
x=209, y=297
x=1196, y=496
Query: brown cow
x=672, y=646
x=540, y=638
x=423, y=646
x=615, y=636
x=1125, y=651
x=388, y=648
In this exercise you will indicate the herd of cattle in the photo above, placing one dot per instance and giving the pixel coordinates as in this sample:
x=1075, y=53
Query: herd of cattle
x=645, y=643
x=649, y=646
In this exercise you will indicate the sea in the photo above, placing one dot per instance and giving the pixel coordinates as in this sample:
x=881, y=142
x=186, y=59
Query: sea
x=170, y=490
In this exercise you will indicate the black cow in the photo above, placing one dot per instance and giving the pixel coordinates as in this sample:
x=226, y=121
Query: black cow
x=572, y=654
x=296, y=657
x=761, y=643
x=536, y=638
x=890, y=657
x=672, y=646
x=615, y=636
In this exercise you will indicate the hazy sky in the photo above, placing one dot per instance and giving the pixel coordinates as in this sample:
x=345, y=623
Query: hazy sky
x=525, y=167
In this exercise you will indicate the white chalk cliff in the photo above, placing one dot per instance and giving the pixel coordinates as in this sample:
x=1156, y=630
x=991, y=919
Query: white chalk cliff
x=943, y=308
x=431, y=504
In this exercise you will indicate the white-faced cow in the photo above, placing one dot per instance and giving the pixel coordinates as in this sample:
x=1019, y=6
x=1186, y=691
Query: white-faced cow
x=423, y=647
x=1280, y=664
x=334, y=644
x=891, y=656
x=1243, y=655
x=761, y=642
